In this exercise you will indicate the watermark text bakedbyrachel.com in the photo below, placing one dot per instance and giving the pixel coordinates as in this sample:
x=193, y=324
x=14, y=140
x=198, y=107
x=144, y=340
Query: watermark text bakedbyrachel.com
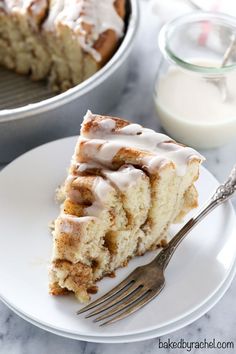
x=191, y=345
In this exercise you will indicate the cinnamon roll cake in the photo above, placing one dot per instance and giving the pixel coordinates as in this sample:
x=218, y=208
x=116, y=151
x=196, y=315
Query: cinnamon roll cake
x=126, y=185
x=64, y=41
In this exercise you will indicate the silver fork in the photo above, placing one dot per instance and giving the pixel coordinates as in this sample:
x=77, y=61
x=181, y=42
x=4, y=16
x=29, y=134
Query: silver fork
x=147, y=281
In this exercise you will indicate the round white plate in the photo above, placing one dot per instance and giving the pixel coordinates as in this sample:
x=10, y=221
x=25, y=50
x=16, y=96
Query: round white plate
x=197, y=270
x=151, y=334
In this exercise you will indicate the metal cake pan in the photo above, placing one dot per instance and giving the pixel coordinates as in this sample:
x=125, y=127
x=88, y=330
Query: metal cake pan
x=32, y=124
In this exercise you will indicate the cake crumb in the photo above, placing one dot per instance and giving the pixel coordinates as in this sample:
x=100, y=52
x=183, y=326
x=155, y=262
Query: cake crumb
x=92, y=289
x=111, y=275
x=163, y=243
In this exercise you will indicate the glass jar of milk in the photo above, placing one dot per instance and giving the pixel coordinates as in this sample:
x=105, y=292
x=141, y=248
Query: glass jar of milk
x=195, y=90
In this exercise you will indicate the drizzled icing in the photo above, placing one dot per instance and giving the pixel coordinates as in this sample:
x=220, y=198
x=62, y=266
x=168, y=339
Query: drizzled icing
x=100, y=141
x=67, y=223
x=56, y=9
x=101, y=15
x=83, y=167
x=100, y=189
x=124, y=177
x=103, y=185
x=23, y=5
x=103, y=142
x=33, y=11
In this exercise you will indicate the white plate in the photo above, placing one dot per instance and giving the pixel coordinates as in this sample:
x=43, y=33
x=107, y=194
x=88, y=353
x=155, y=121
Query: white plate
x=146, y=335
x=195, y=273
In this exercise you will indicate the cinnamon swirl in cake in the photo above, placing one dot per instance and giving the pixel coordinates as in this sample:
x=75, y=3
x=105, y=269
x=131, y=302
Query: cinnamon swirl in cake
x=126, y=185
x=64, y=41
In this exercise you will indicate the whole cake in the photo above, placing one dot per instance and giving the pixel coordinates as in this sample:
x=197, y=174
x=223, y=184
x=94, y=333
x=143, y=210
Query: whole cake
x=65, y=41
x=126, y=185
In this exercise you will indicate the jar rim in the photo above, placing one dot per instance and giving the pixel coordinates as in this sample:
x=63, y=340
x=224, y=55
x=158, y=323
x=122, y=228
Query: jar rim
x=196, y=16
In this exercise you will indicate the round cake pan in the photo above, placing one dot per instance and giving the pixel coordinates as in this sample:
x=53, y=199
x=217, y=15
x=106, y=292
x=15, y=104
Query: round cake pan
x=45, y=116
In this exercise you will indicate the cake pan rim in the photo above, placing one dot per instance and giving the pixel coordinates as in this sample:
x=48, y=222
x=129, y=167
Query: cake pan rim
x=91, y=83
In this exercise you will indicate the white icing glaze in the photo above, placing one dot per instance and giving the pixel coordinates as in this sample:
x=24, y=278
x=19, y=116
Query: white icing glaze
x=107, y=125
x=99, y=153
x=66, y=223
x=161, y=148
x=55, y=9
x=124, y=177
x=36, y=7
x=89, y=116
x=71, y=192
x=100, y=189
x=22, y=6
x=82, y=167
x=101, y=15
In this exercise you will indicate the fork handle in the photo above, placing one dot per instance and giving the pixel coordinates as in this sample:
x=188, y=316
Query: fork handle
x=224, y=192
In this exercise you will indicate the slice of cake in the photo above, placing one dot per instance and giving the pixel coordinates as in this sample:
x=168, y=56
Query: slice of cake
x=126, y=186
x=64, y=41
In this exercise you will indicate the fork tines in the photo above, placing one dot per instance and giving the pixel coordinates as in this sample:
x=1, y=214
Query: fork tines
x=126, y=298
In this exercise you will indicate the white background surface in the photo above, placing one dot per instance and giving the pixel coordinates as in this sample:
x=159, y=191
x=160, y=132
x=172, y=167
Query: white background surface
x=20, y=337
